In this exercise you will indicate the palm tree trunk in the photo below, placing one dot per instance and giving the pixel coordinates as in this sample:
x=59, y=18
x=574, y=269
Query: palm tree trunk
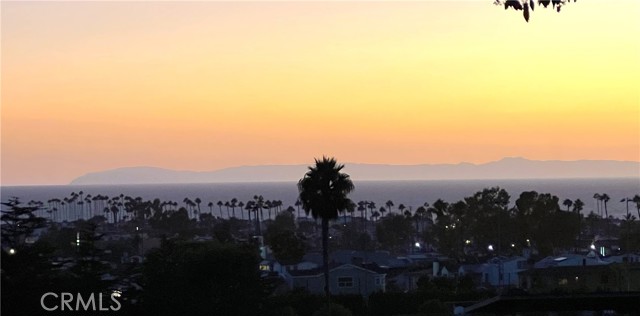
x=258, y=228
x=325, y=255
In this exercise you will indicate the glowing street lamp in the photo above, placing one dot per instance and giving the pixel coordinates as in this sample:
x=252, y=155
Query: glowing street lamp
x=490, y=247
x=12, y=251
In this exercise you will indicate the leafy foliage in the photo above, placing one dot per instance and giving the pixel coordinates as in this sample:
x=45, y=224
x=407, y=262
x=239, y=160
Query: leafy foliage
x=26, y=269
x=287, y=247
x=19, y=222
x=202, y=278
x=528, y=6
x=324, y=189
x=395, y=232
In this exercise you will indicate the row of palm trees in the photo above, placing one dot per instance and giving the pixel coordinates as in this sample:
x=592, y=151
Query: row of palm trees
x=84, y=206
x=602, y=199
x=78, y=206
x=81, y=206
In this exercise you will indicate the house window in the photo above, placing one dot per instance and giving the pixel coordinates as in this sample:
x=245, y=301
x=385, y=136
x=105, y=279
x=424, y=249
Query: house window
x=265, y=267
x=345, y=282
x=378, y=281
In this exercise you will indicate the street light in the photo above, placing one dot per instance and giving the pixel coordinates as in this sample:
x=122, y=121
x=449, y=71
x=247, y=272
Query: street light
x=12, y=251
x=490, y=247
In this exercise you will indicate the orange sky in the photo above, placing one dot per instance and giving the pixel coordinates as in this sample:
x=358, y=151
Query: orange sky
x=88, y=86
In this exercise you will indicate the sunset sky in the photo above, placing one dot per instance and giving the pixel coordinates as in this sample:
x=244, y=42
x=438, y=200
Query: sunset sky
x=89, y=86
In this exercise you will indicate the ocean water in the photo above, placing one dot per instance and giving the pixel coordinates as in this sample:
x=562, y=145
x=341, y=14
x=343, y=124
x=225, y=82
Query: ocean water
x=410, y=193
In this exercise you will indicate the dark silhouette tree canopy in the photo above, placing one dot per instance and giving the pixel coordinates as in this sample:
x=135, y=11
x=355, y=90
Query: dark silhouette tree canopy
x=323, y=193
x=528, y=6
x=323, y=189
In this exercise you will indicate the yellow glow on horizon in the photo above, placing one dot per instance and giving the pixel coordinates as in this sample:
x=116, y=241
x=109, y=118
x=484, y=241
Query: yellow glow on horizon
x=206, y=85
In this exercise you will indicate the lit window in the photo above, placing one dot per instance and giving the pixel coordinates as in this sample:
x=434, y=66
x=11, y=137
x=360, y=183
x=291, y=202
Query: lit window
x=345, y=282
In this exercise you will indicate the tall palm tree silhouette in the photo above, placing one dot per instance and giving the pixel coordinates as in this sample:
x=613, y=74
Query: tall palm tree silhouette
x=233, y=204
x=323, y=193
x=636, y=199
x=627, y=200
x=389, y=205
x=241, y=205
x=220, y=207
x=598, y=199
x=297, y=204
x=198, y=201
x=605, y=198
x=210, y=205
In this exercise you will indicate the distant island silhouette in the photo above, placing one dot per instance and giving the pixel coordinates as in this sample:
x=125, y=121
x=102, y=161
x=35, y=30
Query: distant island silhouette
x=506, y=168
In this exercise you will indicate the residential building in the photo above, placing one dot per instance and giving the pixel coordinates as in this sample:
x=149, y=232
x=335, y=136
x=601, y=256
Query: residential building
x=343, y=279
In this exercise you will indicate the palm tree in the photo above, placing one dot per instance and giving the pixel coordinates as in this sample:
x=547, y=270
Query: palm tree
x=350, y=209
x=636, y=199
x=210, y=205
x=627, y=200
x=382, y=210
x=598, y=199
x=323, y=193
x=375, y=215
x=389, y=205
x=298, y=203
x=257, y=205
x=81, y=203
x=198, y=201
x=227, y=205
x=268, y=205
x=577, y=206
x=362, y=208
x=421, y=212
x=233, y=205
x=249, y=208
x=241, y=205
x=605, y=198
x=187, y=203
x=372, y=207
x=567, y=203
x=220, y=207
